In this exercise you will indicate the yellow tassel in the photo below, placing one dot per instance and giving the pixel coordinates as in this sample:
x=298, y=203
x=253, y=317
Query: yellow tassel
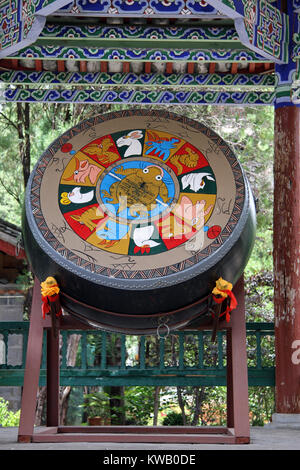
x=49, y=287
x=221, y=286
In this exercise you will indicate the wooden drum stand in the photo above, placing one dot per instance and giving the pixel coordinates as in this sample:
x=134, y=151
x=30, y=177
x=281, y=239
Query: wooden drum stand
x=237, y=430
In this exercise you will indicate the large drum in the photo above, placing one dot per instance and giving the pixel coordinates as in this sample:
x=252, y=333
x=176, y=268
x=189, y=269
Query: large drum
x=137, y=214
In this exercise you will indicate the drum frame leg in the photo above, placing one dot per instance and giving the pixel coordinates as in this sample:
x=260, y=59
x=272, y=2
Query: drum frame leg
x=237, y=430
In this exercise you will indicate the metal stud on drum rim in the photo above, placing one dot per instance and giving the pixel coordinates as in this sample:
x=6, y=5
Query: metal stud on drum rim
x=137, y=213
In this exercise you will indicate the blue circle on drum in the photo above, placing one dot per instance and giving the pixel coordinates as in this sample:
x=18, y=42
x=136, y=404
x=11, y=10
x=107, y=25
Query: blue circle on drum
x=119, y=210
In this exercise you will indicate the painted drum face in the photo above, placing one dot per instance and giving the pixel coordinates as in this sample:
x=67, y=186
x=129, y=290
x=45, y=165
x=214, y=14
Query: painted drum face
x=136, y=201
x=140, y=192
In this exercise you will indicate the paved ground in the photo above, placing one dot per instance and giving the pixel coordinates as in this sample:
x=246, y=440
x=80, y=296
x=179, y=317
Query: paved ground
x=262, y=438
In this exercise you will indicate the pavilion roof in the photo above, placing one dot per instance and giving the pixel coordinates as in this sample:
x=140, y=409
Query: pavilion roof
x=99, y=50
x=10, y=239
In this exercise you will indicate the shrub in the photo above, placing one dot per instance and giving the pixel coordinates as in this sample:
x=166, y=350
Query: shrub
x=7, y=417
x=173, y=419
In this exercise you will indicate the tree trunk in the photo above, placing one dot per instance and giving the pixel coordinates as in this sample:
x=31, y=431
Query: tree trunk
x=73, y=343
x=156, y=405
x=26, y=160
x=179, y=389
x=40, y=403
x=199, y=397
x=23, y=125
x=181, y=405
x=116, y=394
x=116, y=402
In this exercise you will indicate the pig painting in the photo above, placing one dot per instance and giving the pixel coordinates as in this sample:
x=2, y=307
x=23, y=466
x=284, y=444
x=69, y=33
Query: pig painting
x=83, y=170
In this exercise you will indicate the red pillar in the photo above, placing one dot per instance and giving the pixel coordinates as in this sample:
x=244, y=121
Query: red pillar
x=32, y=368
x=52, y=377
x=237, y=370
x=287, y=258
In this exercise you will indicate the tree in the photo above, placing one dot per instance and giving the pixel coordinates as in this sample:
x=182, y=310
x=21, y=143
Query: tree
x=26, y=130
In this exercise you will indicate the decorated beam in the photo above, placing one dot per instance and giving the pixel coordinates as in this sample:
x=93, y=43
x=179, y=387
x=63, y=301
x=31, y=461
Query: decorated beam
x=139, y=8
x=138, y=42
x=296, y=6
x=261, y=26
x=288, y=75
x=150, y=97
x=187, y=80
x=133, y=35
x=139, y=36
x=22, y=21
x=137, y=54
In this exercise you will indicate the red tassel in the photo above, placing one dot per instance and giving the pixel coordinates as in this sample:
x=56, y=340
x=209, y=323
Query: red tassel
x=45, y=307
x=230, y=307
x=51, y=302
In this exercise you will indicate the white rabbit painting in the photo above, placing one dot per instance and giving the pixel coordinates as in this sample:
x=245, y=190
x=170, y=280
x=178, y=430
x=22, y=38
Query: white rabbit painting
x=132, y=140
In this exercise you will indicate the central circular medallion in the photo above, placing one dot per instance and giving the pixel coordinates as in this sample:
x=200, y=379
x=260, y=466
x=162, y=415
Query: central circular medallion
x=137, y=190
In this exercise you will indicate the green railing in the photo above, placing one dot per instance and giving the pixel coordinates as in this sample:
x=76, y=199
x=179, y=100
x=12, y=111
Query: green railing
x=179, y=359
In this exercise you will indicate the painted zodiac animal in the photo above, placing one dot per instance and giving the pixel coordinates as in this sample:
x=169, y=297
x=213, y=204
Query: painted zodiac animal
x=90, y=218
x=139, y=187
x=111, y=233
x=76, y=196
x=161, y=147
x=195, y=181
x=192, y=214
x=190, y=217
x=132, y=140
x=142, y=239
x=189, y=159
x=102, y=151
x=83, y=170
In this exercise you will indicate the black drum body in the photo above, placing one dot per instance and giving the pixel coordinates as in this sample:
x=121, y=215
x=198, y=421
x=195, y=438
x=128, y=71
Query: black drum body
x=137, y=214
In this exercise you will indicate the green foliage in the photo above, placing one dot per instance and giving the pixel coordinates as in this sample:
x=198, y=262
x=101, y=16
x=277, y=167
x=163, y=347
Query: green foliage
x=25, y=279
x=47, y=123
x=138, y=404
x=213, y=407
x=97, y=404
x=75, y=408
x=259, y=297
x=7, y=417
x=173, y=419
x=261, y=405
